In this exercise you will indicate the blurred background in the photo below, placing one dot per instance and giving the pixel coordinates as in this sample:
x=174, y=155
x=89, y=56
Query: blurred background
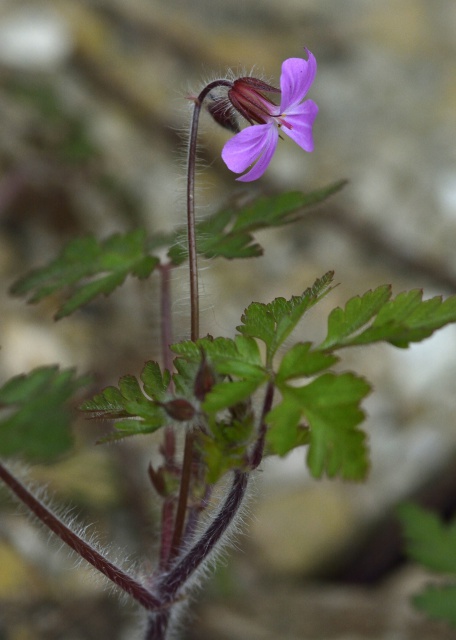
x=93, y=118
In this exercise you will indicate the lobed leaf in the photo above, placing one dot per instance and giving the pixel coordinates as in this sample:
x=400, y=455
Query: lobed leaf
x=34, y=413
x=155, y=382
x=135, y=410
x=301, y=361
x=433, y=544
x=228, y=233
x=272, y=323
x=330, y=405
x=230, y=393
x=343, y=323
x=400, y=321
x=239, y=358
x=438, y=602
x=86, y=269
x=429, y=541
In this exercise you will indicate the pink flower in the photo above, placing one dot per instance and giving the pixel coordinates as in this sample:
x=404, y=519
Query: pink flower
x=256, y=144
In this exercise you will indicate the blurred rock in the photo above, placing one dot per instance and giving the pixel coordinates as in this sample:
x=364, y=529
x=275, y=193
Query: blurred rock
x=34, y=37
x=302, y=532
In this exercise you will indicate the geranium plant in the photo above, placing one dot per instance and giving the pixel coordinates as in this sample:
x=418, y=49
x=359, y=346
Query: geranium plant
x=232, y=401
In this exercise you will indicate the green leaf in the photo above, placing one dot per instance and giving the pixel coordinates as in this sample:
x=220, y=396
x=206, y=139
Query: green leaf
x=281, y=209
x=86, y=269
x=438, y=602
x=405, y=319
x=135, y=410
x=286, y=432
x=225, y=447
x=240, y=357
x=330, y=405
x=272, y=323
x=428, y=540
x=343, y=323
x=300, y=361
x=228, y=233
x=155, y=383
x=432, y=543
x=230, y=393
x=34, y=416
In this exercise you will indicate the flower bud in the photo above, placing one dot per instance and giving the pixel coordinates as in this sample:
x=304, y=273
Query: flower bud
x=179, y=409
x=204, y=380
x=247, y=97
x=223, y=114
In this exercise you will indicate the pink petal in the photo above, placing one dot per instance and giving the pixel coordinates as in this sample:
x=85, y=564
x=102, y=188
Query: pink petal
x=253, y=144
x=296, y=79
x=301, y=120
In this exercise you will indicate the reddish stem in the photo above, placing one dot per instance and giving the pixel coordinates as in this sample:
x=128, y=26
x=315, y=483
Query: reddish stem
x=78, y=544
x=184, y=491
x=258, y=449
x=194, y=301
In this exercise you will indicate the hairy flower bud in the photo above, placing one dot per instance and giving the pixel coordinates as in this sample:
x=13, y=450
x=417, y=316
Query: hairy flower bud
x=222, y=113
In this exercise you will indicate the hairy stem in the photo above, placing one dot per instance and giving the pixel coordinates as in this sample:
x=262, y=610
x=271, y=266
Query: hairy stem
x=191, y=231
x=258, y=449
x=165, y=315
x=121, y=579
x=183, y=494
x=169, y=445
x=194, y=301
x=157, y=626
x=167, y=521
x=169, y=440
x=175, y=580
x=199, y=552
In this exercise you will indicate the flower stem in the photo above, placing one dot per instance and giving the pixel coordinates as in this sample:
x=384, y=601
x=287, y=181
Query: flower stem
x=191, y=230
x=194, y=301
x=124, y=581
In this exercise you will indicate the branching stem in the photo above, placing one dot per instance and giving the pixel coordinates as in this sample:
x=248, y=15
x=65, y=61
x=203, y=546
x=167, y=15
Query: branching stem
x=124, y=581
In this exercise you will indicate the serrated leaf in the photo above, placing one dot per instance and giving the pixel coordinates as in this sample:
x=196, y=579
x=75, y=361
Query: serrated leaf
x=240, y=357
x=285, y=429
x=225, y=447
x=438, y=602
x=106, y=405
x=432, y=543
x=230, y=393
x=429, y=541
x=126, y=429
x=86, y=269
x=228, y=233
x=273, y=322
x=281, y=209
x=130, y=389
x=133, y=410
x=358, y=311
x=405, y=319
x=330, y=406
x=155, y=383
x=300, y=361
x=34, y=416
